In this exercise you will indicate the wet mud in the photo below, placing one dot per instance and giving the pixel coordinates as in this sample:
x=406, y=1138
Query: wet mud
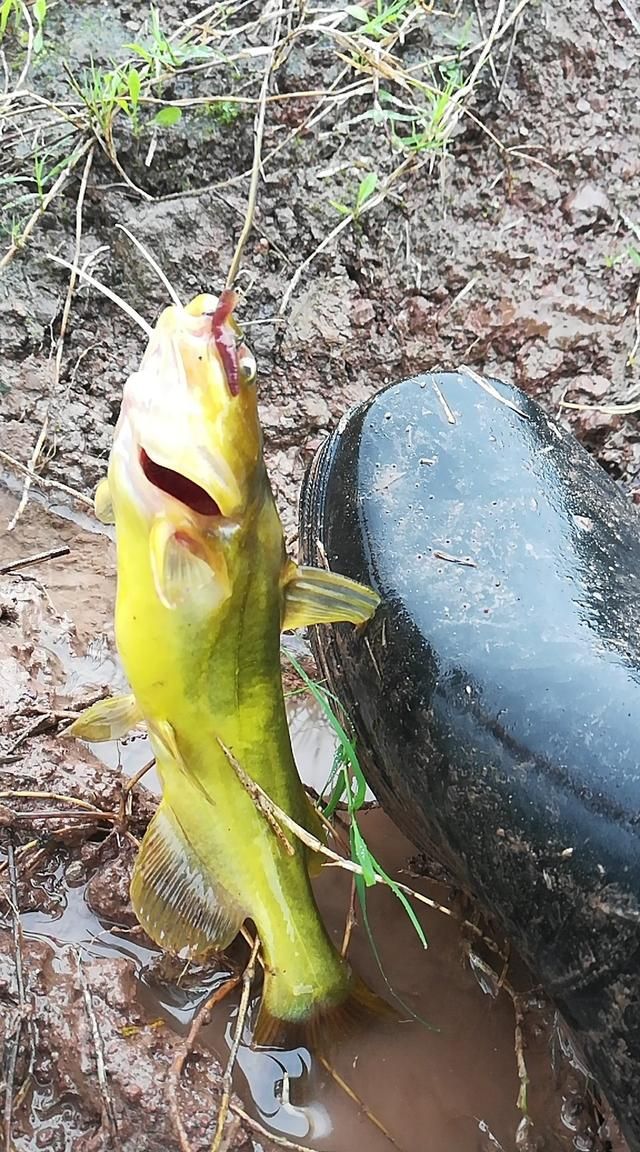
x=514, y=250
x=101, y=1018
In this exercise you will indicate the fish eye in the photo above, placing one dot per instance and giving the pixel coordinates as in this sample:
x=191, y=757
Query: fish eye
x=247, y=366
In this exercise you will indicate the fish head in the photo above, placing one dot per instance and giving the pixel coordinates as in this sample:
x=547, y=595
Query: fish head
x=186, y=463
x=188, y=436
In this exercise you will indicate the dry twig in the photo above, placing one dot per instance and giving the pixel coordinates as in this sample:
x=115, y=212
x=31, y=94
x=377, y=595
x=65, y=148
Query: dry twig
x=501, y=983
x=200, y=1019
x=348, y=1091
x=12, y=1045
x=259, y=798
x=108, y=292
x=32, y=794
x=227, y=1079
x=350, y=921
x=282, y=817
x=108, y=1107
x=258, y=133
x=60, y=344
x=36, y=558
x=630, y=14
x=273, y=1137
x=43, y=482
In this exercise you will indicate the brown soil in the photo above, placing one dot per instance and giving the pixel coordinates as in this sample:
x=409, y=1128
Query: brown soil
x=513, y=250
x=538, y=233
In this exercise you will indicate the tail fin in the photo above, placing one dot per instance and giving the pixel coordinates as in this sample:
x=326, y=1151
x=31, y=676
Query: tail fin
x=321, y=1023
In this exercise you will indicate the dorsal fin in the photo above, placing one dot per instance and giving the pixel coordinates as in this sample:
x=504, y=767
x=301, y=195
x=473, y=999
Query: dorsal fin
x=176, y=899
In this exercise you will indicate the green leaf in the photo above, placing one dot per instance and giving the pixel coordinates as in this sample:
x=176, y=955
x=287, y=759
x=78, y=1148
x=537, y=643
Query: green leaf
x=134, y=84
x=335, y=798
x=5, y=12
x=337, y=783
x=361, y=891
x=346, y=760
x=367, y=187
x=140, y=51
x=322, y=697
x=40, y=10
x=405, y=903
x=343, y=209
x=168, y=116
x=362, y=855
x=358, y=13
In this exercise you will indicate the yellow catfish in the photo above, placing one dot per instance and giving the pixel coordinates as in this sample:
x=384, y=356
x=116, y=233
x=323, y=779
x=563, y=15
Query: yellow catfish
x=204, y=588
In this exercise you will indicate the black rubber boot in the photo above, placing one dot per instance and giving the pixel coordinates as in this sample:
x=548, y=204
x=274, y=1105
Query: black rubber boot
x=496, y=693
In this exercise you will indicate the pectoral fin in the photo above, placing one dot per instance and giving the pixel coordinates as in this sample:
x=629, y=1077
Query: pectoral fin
x=315, y=596
x=103, y=504
x=185, y=571
x=107, y=720
x=176, y=899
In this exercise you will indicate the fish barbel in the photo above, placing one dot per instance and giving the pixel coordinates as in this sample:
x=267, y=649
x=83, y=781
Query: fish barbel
x=204, y=588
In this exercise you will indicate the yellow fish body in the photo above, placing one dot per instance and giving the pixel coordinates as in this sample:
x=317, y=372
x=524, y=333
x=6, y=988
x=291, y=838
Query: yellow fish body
x=204, y=589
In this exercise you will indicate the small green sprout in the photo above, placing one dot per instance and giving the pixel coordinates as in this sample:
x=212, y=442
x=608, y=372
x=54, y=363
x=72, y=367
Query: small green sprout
x=40, y=12
x=226, y=112
x=631, y=253
x=383, y=21
x=366, y=189
x=168, y=116
x=161, y=54
x=11, y=10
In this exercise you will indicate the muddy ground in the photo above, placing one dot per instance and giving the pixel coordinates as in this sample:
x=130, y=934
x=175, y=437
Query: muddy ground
x=508, y=242
x=94, y=1021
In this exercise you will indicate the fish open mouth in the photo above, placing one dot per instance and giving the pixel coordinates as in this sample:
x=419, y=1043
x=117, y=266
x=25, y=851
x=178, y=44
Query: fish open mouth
x=178, y=486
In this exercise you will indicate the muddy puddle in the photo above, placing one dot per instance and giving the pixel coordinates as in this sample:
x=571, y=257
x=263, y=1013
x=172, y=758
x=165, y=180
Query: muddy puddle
x=482, y=1038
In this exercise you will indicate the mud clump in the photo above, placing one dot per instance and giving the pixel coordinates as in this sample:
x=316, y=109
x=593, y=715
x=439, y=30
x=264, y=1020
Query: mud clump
x=98, y=1064
x=88, y=1068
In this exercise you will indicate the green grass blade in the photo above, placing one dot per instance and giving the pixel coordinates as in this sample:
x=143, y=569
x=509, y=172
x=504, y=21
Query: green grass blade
x=405, y=904
x=361, y=891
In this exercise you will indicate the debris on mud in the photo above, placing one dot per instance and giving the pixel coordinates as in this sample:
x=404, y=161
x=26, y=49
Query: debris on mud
x=96, y=1068
x=510, y=246
x=94, y=1009
x=92, y=1069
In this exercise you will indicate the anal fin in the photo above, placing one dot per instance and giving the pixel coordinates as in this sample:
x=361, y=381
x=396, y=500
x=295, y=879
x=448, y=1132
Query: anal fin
x=315, y=596
x=177, y=901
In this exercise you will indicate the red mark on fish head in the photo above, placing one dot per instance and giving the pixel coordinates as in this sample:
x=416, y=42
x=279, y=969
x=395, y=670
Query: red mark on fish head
x=225, y=339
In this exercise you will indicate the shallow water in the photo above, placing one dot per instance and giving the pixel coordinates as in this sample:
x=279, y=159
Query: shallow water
x=449, y=1084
